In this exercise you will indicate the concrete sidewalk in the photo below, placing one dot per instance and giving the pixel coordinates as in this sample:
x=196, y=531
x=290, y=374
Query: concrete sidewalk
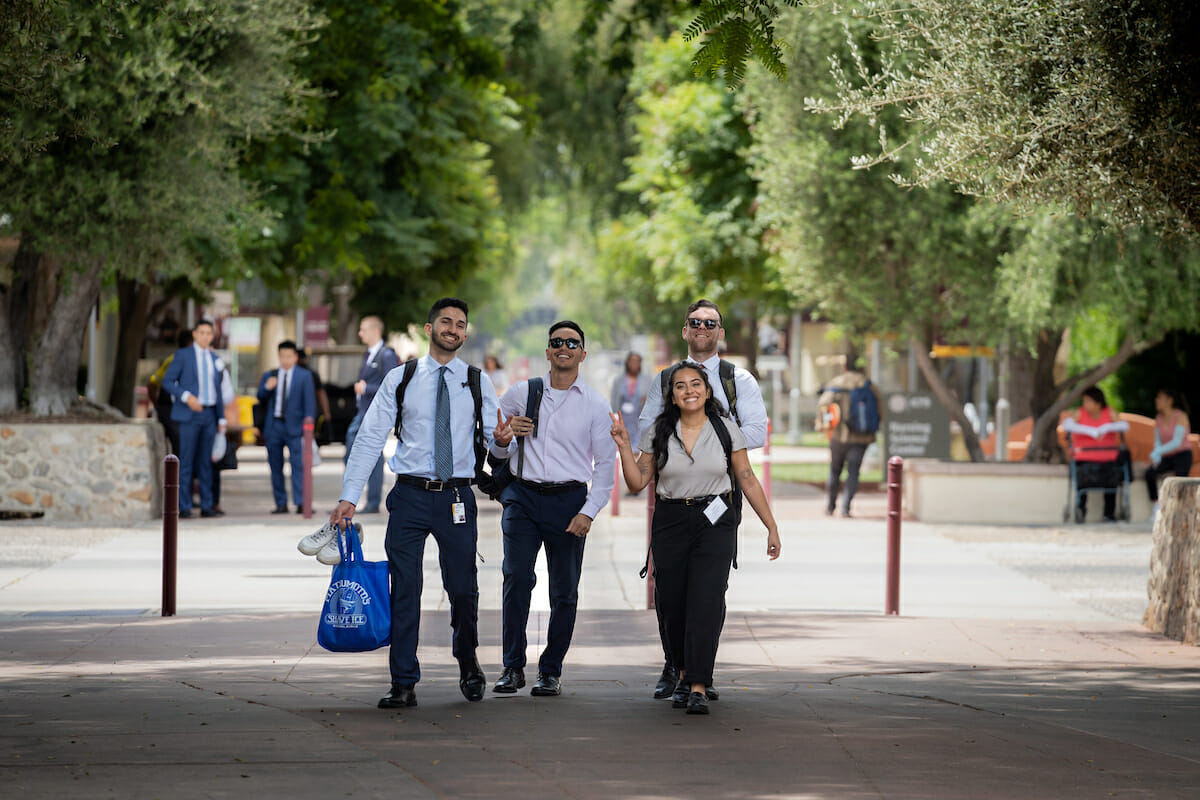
x=1001, y=678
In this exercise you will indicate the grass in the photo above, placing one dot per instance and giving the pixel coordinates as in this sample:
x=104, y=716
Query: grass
x=807, y=439
x=813, y=473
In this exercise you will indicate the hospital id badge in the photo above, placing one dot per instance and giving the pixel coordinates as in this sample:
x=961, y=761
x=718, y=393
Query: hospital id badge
x=458, y=513
x=715, y=509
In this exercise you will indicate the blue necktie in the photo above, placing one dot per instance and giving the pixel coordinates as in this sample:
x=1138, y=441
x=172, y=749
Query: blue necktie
x=204, y=379
x=443, y=447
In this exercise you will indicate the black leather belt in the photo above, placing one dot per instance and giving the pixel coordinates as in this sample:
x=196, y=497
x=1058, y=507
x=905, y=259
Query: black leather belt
x=552, y=488
x=702, y=500
x=433, y=484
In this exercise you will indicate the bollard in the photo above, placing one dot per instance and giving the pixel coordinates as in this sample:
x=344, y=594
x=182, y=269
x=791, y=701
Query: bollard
x=170, y=532
x=614, y=499
x=649, y=530
x=895, y=475
x=307, y=444
x=766, y=481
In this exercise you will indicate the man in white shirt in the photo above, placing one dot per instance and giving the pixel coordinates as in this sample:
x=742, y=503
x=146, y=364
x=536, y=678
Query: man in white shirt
x=559, y=449
x=737, y=391
x=377, y=362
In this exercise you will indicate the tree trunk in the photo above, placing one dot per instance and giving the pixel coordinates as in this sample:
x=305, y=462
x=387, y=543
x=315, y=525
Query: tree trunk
x=49, y=314
x=133, y=309
x=12, y=379
x=946, y=397
x=1044, y=394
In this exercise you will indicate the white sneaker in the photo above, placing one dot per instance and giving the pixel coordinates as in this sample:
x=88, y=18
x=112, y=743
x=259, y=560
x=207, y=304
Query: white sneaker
x=330, y=554
x=311, y=545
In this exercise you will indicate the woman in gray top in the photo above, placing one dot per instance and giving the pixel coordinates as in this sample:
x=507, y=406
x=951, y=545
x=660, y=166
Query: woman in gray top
x=693, y=535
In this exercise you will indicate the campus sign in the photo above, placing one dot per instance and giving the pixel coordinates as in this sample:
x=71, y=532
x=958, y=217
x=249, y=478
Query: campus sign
x=916, y=426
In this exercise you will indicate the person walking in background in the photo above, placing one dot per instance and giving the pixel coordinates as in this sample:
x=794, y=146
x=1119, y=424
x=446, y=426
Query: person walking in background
x=377, y=362
x=738, y=395
x=193, y=380
x=629, y=392
x=288, y=397
x=561, y=447
x=495, y=371
x=848, y=411
x=1172, y=453
x=693, y=535
x=434, y=464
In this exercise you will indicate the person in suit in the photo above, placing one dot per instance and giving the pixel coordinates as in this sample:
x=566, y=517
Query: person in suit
x=193, y=380
x=377, y=362
x=287, y=396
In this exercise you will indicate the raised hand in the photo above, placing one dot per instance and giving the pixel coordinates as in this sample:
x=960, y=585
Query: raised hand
x=618, y=432
x=503, y=433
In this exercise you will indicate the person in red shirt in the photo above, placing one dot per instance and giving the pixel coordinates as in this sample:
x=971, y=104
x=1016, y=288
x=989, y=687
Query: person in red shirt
x=1095, y=445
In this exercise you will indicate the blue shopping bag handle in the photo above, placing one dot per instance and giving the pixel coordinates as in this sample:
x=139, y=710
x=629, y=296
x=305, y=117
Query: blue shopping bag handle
x=348, y=544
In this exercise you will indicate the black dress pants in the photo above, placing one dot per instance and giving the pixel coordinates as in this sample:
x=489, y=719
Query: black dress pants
x=691, y=573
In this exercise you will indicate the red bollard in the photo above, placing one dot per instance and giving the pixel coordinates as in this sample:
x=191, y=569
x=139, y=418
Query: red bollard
x=649, y=558
x=895, y=477
x=309, y=427
x=170, y=532
x=614, y=499
x=766, y=481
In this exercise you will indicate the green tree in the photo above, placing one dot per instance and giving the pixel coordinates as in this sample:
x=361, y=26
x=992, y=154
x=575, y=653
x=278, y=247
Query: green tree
x=134, y=168
x=696, y=231
x=1090, y=104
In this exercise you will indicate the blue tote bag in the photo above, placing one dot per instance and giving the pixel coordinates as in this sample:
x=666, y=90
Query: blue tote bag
x=357, y=615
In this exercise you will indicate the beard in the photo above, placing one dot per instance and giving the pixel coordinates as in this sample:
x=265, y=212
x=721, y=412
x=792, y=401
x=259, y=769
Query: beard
x=445, y=346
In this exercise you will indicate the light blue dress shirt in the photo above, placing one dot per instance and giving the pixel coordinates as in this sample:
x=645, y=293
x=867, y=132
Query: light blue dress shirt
x=414, y=454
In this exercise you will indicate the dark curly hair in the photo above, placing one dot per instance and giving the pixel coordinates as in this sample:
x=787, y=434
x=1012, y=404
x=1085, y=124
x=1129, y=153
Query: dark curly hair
x=665, y=423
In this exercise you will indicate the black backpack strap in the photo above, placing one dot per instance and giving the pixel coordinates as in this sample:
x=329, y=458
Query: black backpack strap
x=533, y=403
x=727, y=445
x=727, y=371
x=480, y=441
x=410, y=368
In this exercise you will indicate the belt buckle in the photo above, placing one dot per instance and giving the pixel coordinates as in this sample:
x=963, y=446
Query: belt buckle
x=689, y=501
x=434, y=486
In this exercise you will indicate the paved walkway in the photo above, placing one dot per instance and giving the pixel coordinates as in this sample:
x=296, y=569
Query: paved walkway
x=1009, y=674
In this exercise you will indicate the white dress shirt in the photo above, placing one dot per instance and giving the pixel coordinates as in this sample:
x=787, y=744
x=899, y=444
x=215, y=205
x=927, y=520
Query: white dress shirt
x=414, y=454
x=751, y=410
x=573, y=442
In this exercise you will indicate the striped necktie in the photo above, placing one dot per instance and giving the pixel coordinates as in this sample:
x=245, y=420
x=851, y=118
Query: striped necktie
x=443, y=446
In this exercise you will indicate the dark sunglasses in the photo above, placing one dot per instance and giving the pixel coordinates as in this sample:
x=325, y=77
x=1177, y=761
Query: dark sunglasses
x=570, y=344
x=698, y=323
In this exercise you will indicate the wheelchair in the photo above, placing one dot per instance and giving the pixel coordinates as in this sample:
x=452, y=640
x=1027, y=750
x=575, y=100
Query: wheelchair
x=1099, y=477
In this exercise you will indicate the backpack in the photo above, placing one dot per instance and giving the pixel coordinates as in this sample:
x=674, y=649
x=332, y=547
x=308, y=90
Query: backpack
x=533, y=402
x=491, y=483
x=725, y=371
x=862, y=413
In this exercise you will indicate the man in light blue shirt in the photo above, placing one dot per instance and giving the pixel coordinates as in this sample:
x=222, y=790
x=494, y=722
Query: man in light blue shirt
x=549, y=503
x=434, y=465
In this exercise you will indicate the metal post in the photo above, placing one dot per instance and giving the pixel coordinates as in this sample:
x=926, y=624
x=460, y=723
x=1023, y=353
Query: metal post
x=307, y=444
x=894, y=481
x=170, y=532
x=649, y=558
x=614, y=499
x=766, y=481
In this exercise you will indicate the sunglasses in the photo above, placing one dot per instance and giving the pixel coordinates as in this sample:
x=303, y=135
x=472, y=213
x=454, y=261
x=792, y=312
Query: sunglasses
x=702, y=323
x=570, y=344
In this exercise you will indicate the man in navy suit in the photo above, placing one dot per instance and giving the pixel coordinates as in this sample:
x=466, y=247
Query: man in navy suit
x=194, y=382
x=377, y=362
x=287, y=396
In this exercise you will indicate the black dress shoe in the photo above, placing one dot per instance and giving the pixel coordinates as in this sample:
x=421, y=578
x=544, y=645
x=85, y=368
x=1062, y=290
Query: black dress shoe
x=184, y=513
x=666, y=682
x=471, y=681
x=299, y=509
x=511, y=679
x=697, y=703
x=546, y=686
x=399, y=696
x=711, y=693
x=280, y=510
x=679, y=697
x=208, y=512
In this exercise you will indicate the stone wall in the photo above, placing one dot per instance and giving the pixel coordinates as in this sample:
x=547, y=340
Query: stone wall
x=110, y=473
x=1174, y=587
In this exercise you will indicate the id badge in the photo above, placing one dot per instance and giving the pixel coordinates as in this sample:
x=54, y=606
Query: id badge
x=458, y=513
x=715, y=509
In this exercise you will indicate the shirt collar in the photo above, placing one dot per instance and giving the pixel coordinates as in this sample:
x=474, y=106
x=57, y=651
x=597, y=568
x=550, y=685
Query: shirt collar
x=575, y=386
x=455, y=366
x=710, y=363
x=373, y=350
